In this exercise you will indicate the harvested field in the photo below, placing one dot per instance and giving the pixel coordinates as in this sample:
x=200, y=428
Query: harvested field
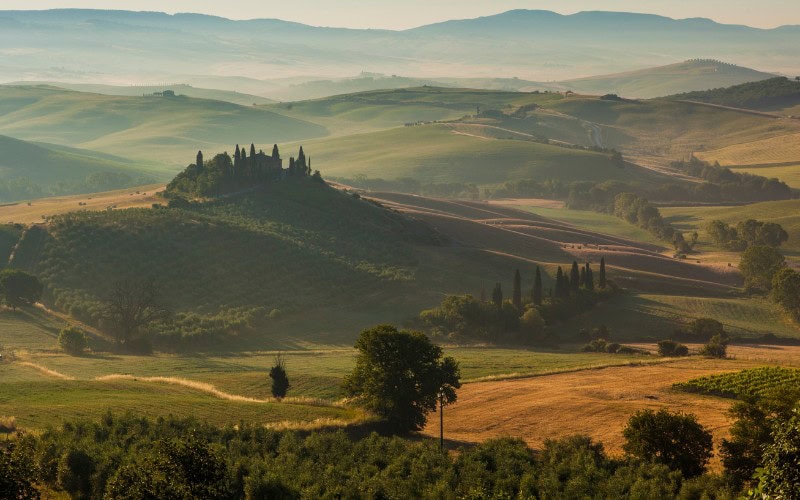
x=593, y=402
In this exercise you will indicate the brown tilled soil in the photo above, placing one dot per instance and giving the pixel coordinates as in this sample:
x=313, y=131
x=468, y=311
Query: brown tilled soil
x=597, y=402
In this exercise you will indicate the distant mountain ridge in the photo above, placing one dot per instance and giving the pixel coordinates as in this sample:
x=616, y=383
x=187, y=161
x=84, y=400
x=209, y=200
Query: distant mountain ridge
x=97, y=46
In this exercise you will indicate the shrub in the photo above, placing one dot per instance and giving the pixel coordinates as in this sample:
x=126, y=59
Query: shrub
x=72, y=340
x=670, y=348
x=598, y=345
x=717, y=347
x=613, y=348
x=280, y=381
x=676, y=440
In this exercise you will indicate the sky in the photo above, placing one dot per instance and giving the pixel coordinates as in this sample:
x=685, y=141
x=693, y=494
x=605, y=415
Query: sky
x=402, y=14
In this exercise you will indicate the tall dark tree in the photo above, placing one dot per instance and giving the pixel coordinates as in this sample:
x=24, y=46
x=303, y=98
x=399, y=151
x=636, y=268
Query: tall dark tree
x=237, y=157
x=199, y=160
x=497, y=295
x=401, y=376
x=602, y=278
x=276, y=154
x=517, y=296
x=252, y=150
x=537, y=287
x=559, y=291
x=583, y=276
x=589, y=282
x=280, y=380
x=18, y=288
x=574, y=278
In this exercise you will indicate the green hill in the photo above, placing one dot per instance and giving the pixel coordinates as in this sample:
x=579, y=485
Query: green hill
x=775, y=94
x=329, y=263
x=383, y=109
x=450, y=154
x=159, y=129
x=697, y=74
x=29, y=170
x=142, y=90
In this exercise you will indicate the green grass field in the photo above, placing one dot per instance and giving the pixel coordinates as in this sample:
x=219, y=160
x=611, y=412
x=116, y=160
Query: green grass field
x=438, y=154
x=164, y=130
x=654, y=316
x=786, y=213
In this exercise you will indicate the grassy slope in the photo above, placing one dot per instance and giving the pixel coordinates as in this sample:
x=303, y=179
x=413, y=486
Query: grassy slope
x=140, y=90
x=667, y=80
x=383, y=109
x=47, y=164
x=672, y=129
x=438, y=153
x=784, y=213
x=332, y=263
x=168, y=130
x=779, y=149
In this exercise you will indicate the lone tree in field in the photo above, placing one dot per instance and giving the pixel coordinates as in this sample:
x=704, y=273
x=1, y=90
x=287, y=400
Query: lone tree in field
x=72, y=340
x=280, y=381
x=401, y=376
x=602, y=278
x=133, y=306
x=19, y=288
x=786, y=291
x=536, y=296
x=516, y=298
x=676, y=440
x=497, y=295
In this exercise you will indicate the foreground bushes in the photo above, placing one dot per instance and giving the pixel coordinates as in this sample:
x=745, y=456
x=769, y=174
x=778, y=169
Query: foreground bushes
x=129, y=457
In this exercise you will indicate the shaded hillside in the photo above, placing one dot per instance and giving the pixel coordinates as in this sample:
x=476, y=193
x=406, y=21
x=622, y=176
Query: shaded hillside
x=696, y=74
x=30, y=170
x=329, y=262
x=768, y=95
x=160, y=129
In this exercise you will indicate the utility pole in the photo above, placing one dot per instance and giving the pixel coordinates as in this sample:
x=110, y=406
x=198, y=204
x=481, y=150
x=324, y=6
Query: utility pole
x=441, y=420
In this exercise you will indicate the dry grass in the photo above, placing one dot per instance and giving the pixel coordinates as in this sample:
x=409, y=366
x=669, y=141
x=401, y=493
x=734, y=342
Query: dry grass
x=780, y=149
x=23, y=213
x=45, y=370
x=595, y=402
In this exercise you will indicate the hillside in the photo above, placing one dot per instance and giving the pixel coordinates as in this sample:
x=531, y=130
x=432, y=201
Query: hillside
x=140, y=90
x=157, y=129
x=29, y=170
x=442, y=153
x=390, y=108
x=102, y=46
x=696, y=74
x=775, y=94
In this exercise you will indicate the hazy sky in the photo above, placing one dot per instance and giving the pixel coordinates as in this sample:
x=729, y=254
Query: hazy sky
x=399, y=14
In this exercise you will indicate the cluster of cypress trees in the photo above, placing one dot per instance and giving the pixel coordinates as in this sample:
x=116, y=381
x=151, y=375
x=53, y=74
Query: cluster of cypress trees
x=579, y=277
x=566, y=284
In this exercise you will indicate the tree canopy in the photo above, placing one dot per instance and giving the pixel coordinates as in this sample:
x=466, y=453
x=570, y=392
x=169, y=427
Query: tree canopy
x=19, y=288
x=400, y=376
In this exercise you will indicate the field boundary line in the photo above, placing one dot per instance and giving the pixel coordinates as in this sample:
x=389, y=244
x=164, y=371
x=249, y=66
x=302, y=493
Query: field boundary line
x=45, y=370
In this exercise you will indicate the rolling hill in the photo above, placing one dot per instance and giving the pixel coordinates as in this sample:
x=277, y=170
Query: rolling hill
x=452, y=153
x=102, y=46
x=142, y=90
x=696, y=74
x=157, y=129
x=29, y=170
x=775, y=94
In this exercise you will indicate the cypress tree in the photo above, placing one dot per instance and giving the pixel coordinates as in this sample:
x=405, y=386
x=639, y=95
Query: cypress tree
x=566, y=288
x=574, y=278
x=276, y=154
x=537, y=288
x=252, y=151
x=560, y=286
x=602, y=280
x=583, y=276
x=517, y=297
x=497, y=295
x=236, y=157
x=589, y=277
